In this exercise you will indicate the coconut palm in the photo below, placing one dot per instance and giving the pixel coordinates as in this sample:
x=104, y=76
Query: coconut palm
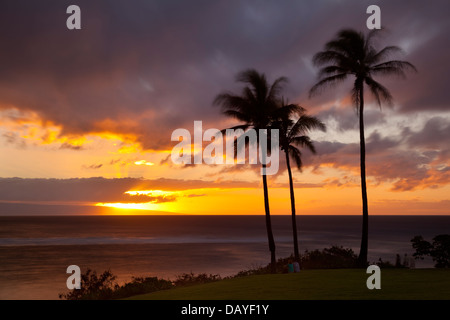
x=353, y=54
x=293, y=135
x=254, y=107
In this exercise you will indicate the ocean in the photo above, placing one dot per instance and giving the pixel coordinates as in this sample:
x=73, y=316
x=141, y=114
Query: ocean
x=35, y=251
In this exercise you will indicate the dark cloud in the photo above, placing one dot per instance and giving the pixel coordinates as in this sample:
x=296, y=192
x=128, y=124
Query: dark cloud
x=150, y=67
x=377, y=144
x=428, y=89
x=14, y=138
x=88, y=190
x=423, y=165
x=435, y=134
x=85, y=191
x=408, y=160
x=347, y=118
x=69, y=146
x=101, y=189
x=145, y=198
x=93, y=166
x=167, y=160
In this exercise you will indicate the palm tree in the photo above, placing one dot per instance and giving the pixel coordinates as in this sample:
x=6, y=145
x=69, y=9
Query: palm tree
x=352, y=53
x=293, y=134
x=255, y=107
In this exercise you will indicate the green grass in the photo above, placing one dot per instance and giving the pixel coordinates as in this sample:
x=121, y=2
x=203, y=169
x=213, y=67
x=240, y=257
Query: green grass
x=334, y=284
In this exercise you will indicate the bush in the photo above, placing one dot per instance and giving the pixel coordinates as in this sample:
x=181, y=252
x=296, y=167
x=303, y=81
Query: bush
x=439, y=250
x=281, y=266
x=251, y=272
x=104, y=287
x=141, y=286
x=93, y=287
x=329, y=258
x=254, y=270
x=186, y=279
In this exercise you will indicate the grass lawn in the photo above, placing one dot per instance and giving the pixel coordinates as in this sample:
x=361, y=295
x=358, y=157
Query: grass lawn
x=318, y=284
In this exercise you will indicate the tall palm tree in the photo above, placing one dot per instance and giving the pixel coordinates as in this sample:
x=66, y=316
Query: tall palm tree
x=293, y=134
x=255, y=107
x=352, y=53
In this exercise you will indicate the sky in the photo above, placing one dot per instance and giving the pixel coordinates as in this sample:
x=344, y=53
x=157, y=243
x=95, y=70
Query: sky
x=86, y=116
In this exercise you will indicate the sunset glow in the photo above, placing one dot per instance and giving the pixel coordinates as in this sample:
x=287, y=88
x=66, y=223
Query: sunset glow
x=77, y=128
x=130, y=206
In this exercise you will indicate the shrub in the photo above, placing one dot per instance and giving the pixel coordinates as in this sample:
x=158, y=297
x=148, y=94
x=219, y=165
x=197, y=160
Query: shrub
x=439, y=250
x=93, y=287
x=186, y=279
x=329, y=258
x=104, y=287
x=141, y=285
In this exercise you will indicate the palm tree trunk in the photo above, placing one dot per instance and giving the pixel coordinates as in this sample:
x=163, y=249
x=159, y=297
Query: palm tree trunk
x=362, y=259
x=294, y=220
x=269, y=223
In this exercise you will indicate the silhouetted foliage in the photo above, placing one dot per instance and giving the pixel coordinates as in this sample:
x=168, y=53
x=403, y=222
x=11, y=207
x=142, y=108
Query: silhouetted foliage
x=104, y=287
x=439, y=250
x=253, y=271
x=293, y=136
x=353, y=54
x=141, y=285
x=255, y=108
x=93, y=287
x=329, y=258
x=186, y=279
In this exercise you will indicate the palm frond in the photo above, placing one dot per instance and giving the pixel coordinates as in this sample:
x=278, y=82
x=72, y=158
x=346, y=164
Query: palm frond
x=356, y=90
x=251, y=76
x=304, y=142
x=230, y=101
x=381, y=55
x=327, y=82
x=248, y=95
x=333, y=58
x=379, y=91
x=395, y=67
x=241, y=116
x=350, y=43
x=295, y=154
x=370, y=37
x=276, y=88
x=285, y=110
x=331, y=70
x=304, y=124
x=240, y=126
